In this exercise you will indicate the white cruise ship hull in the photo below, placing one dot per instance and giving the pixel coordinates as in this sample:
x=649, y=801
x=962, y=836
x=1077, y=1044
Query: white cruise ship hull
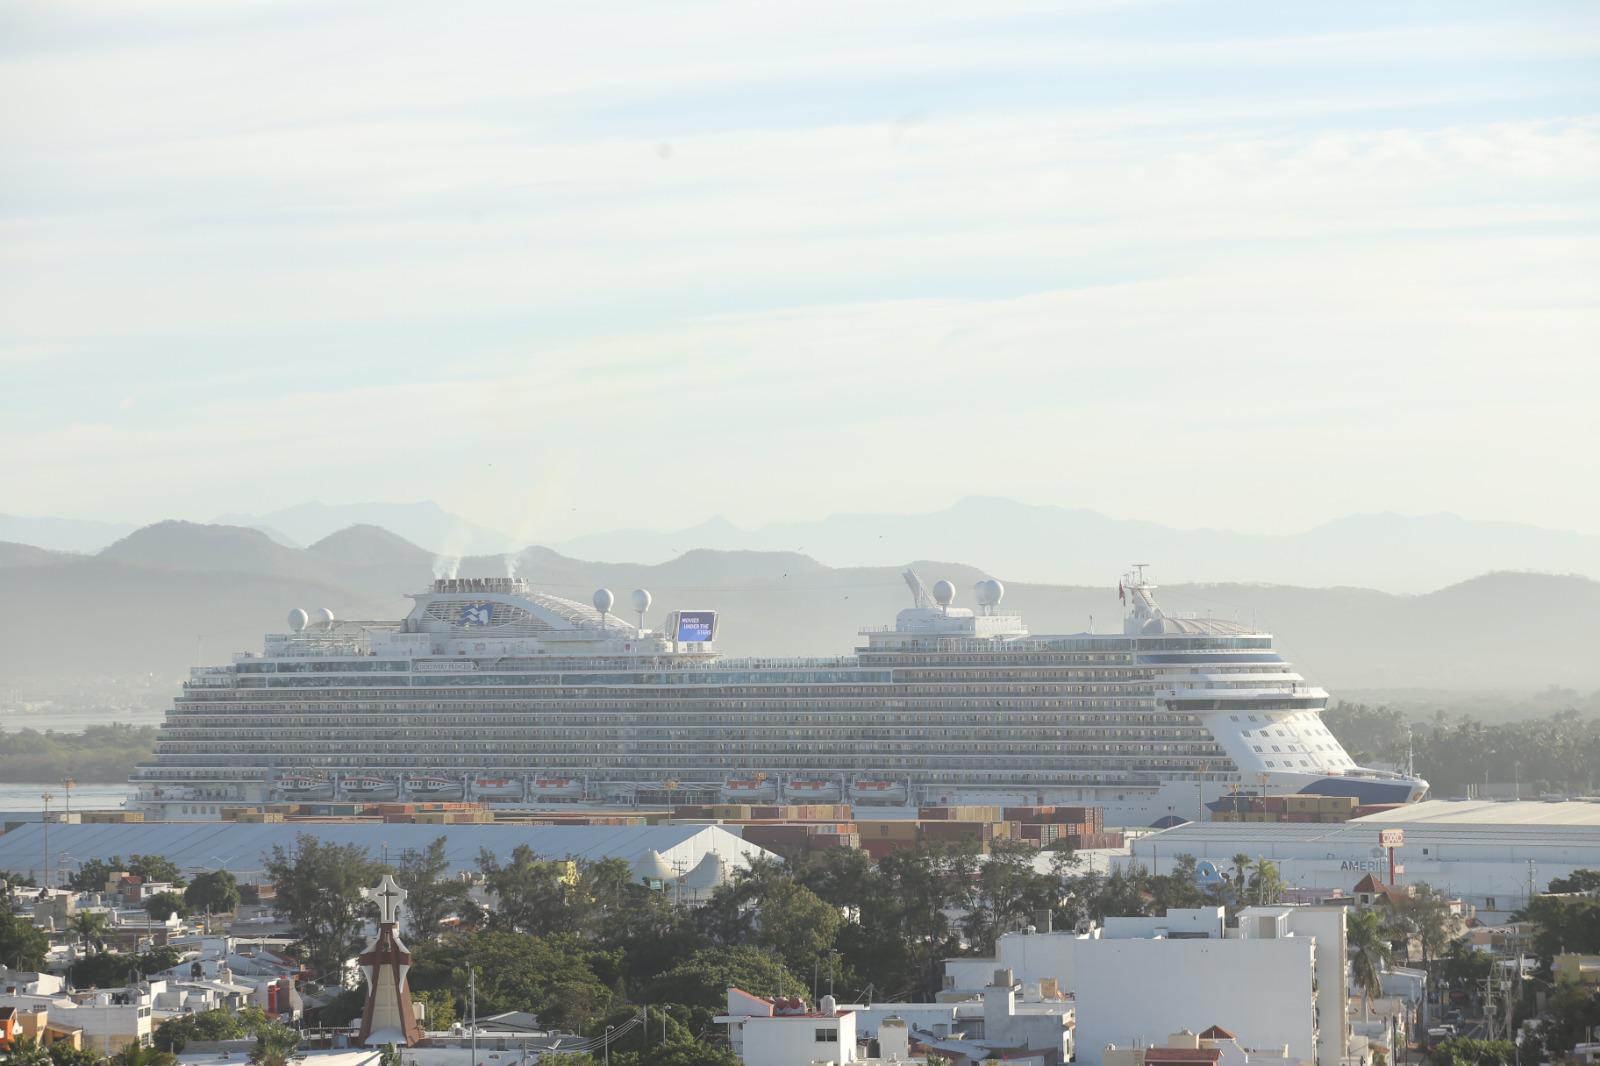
x=516, y=696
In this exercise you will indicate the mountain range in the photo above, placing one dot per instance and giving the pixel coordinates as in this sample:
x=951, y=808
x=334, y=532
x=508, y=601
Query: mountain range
x=1046, y=544
x=176, y=593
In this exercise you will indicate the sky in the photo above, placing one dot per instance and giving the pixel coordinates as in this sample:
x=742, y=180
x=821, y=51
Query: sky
x=567, y=267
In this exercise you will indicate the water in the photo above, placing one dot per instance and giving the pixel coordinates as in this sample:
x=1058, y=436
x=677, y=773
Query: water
x=78, y=721
x=27, y=798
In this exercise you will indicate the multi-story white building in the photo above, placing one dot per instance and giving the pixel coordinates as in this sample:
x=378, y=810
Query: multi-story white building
x=1276, y=980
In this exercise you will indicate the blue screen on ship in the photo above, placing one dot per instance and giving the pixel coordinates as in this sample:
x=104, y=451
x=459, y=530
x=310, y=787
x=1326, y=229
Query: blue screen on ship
x=696, y=625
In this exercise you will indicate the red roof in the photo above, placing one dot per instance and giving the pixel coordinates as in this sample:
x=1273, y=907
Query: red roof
x=1370, y=883
x=1217, y=1032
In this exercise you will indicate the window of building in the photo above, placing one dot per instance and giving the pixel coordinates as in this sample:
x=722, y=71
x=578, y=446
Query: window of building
x=827, y=1036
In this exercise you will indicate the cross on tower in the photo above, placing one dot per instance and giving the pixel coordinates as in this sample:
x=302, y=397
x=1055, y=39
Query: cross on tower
x=389, y=896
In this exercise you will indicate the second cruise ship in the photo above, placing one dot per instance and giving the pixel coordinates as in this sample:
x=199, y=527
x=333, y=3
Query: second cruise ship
x=492, y=690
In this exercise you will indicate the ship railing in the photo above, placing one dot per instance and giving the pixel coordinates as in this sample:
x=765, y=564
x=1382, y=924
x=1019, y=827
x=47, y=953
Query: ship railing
x=798, y=662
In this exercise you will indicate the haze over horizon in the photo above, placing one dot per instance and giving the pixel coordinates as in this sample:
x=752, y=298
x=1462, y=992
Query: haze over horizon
x=1251, y=268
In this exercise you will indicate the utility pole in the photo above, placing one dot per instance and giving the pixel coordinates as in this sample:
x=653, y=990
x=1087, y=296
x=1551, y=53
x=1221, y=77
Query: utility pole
x=45, y=825
x=472, y=1008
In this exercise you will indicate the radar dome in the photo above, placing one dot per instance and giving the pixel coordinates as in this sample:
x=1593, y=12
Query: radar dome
x=324, y=618
x=641, y=600
x=298, y=619
x=989, y=592
x=603, y=600
x=944, y=593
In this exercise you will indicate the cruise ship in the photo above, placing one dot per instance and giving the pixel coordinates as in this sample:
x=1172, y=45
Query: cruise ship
x=491, y=690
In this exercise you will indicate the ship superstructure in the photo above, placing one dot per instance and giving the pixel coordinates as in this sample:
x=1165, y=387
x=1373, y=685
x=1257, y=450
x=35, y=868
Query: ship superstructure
x=491, y=690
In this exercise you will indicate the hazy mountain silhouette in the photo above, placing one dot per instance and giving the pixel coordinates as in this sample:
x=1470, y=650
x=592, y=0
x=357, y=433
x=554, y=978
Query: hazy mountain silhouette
x=62, y=534
x=28, y=555
x=1058, y=545
x=174, y=591
x=369, y=545
x=1074, y=545
x=424, y=523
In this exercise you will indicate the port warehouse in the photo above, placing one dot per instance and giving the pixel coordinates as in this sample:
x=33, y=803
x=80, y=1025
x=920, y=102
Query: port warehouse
x=1486, y=853
x=240, y=847
x=787, y=830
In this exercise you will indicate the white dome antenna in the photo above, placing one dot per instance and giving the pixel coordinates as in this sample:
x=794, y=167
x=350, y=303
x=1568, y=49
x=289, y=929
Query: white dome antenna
x=989, y=593
x=603, y=601
x=324, y=618
x=298, y=619
x=944, y=594
x=641, y=603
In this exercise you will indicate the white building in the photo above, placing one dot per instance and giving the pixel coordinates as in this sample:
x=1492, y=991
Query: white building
x=782, y=1032
x=1277, y=980
x=1488, y=854
x=1018, y=1027
x=109, y=1020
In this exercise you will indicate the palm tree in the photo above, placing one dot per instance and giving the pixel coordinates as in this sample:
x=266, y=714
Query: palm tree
x=137, y=1055
x=90, y=927
x=25, y=1051
x=1241, y=875
x=1369, y=953
x=275, y=1045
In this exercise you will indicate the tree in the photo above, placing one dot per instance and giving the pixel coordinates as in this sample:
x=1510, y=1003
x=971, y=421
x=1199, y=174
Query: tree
x=25, y=1051
x=677, y=1053
x=1266, y=883
x=1423, y=916
x=21, y=945
x=431, y=897
x=1565, y=924
x=1369, y=953
x=1577, y=881
x=530, y=893
x=216, y=892
x=1572, y=1013
x=94, y=875
x=155, y=868
x=64, y=1054
x=90, y=928
x=793, y=923
x=556, y=978
x=1463, y=1052
x=439, y=1007
x=320, y=893
x=275, y=1045
x=1008, y=893
x=135, y=1055
x=216, y=1024
x=701, y=981
x=164, y=905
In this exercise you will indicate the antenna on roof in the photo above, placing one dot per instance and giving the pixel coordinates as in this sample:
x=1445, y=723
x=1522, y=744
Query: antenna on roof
x=603, y=599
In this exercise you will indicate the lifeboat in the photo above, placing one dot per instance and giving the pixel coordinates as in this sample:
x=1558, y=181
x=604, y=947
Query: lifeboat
x=303, y=786
x=812, y=790
x=749, y=790
x=556, y=788
x=497, y=787
x=868, y=791
x=432, y=786
x=367, y=786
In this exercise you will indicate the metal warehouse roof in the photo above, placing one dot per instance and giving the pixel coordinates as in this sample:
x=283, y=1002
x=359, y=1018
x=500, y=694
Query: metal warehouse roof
x=240, y=847
x=1488, y=813
x=1571, y=825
